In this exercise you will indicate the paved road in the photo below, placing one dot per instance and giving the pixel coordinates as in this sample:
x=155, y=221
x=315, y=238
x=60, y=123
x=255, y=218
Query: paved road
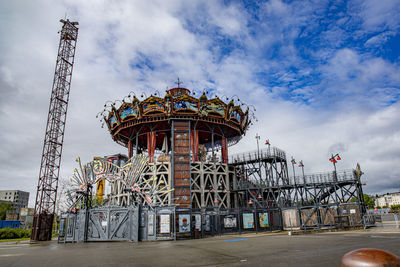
x=320, y=249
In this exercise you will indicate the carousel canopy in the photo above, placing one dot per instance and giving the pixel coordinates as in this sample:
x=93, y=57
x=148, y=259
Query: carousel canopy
x=155, y=113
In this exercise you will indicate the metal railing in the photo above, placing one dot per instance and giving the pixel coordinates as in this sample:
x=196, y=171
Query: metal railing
x=323, y=177
x=307, y=179
x=389, y=221
x=255, y=155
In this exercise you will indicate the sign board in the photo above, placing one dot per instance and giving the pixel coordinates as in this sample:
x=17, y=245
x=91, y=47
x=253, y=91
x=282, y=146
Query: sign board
x=184, y=223
x=208, y=223
x=24, y=212
x=198, y=221
x=263, y=217
x=164, y=224
x=248, y=220
x=150, y=224
x=230, y=221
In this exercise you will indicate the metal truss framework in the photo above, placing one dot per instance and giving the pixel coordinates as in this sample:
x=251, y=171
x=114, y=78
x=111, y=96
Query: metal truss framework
x=212, y=185
x=264, y=182
x=156, y=181
x=53, y=142
x=253, y=181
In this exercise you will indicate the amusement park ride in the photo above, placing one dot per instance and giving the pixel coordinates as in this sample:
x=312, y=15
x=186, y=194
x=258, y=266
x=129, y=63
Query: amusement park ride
x=178, y=164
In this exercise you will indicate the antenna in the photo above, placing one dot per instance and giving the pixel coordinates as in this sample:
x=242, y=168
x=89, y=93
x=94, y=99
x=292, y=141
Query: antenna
x=179, y=83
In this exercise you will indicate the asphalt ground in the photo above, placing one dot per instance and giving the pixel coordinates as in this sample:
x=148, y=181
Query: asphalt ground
x=263, y=249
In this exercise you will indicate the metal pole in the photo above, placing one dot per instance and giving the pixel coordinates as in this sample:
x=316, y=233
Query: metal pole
x=294, y=173
x=212, y=145
x=334, y=167
x=258, y=156
x=85, y=236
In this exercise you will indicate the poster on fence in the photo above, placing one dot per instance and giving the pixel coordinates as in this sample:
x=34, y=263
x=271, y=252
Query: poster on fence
x=164, y=224
x=230, y=221
x=198, y=221
x=184, y=223
x=263, y=219
x=150, y=224
x=208, y=223
x=248, y=220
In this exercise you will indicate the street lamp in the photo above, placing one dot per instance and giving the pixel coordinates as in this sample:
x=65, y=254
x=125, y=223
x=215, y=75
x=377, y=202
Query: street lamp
x=334, y=160
x=258, y=156
x=269, y=146
x=258, y=148
x=293, y=161
x=302, y=169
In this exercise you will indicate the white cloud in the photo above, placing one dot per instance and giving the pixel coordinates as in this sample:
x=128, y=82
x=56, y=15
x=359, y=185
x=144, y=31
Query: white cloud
x=145, y=45
x=377, y=15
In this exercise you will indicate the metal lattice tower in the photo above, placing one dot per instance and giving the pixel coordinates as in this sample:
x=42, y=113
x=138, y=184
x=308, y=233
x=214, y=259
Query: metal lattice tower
x=52, y=149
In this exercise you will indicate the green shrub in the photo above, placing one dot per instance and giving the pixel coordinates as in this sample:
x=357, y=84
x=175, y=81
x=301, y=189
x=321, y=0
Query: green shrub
x=395, y=207
x=8, y=233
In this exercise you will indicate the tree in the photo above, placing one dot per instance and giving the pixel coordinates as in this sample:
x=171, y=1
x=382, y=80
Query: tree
x=368, y=201
x=4, y=207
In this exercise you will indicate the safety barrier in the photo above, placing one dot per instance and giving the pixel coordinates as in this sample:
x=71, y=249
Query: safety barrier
x=389, y=221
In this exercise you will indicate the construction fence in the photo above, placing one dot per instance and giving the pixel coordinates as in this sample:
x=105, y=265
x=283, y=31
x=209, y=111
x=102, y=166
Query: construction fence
x=171, y=223
x=305, y=218
x=163, y=223
x=383, y=222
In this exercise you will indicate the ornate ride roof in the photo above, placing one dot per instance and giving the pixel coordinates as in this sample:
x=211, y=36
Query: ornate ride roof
x=177, y=103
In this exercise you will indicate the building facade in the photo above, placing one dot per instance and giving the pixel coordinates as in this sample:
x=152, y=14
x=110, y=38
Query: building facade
x=18, y=199
x=388, y=200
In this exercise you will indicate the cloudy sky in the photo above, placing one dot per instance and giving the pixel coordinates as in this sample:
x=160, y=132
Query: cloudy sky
x=323, y=76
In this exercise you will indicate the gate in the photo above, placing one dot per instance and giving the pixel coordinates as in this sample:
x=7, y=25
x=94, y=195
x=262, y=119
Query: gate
x=103, y=224
x=107, y=224
x=66, y=232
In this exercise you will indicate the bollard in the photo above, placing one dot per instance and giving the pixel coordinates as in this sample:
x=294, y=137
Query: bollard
x=369, y=257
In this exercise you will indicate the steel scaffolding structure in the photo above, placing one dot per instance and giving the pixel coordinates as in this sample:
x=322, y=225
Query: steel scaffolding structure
x=263, y=181
x=53, y=142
